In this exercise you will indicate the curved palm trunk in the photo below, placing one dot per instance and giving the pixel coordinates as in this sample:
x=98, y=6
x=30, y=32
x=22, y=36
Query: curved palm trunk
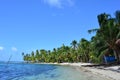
x=117, y=55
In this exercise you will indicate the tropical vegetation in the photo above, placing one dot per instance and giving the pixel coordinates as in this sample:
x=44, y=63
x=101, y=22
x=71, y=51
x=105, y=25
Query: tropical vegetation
x=106, y=42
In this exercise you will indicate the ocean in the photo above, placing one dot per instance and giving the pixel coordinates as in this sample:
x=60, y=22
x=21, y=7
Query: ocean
x=22, y=71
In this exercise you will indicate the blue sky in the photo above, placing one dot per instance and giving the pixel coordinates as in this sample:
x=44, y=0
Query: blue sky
x=27, y=25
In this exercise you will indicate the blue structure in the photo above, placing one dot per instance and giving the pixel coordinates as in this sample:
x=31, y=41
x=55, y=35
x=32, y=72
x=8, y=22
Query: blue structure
x=110, y=59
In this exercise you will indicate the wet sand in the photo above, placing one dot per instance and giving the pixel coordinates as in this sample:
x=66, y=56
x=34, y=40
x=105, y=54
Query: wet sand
x=109, y=73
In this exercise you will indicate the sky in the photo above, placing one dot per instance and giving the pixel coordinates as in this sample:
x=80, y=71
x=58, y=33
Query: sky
x=27, y=25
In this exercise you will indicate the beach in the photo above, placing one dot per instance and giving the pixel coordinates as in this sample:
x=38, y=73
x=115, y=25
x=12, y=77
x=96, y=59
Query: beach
x=107, y=73
x=111, y=73
x=58, y=71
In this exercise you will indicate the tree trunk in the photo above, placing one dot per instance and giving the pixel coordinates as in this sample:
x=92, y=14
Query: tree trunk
x=117, y=55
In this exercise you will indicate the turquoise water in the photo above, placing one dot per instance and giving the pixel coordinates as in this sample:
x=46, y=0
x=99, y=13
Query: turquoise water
x=43, y=72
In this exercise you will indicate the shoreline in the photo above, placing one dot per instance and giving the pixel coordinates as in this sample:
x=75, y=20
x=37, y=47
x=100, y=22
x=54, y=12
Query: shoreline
x=106, y=72
x=109, y=73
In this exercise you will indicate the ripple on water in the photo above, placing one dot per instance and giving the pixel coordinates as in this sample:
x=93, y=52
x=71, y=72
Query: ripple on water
x=43, y=72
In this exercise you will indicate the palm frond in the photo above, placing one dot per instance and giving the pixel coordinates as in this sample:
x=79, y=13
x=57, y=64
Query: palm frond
x=92, y=30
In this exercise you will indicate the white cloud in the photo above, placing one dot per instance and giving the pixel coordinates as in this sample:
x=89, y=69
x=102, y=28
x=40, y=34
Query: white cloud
x=1, y=48
x=59, y=3
x=14, y=49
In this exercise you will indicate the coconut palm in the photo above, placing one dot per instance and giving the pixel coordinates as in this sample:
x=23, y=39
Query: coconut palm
x=33, y=56
x=84, y=49
x=37, y=56
x=106, y=41
x=74, y=44
x=109, y=32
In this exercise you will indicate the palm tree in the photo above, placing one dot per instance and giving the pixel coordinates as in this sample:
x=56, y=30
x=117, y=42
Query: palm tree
x=84, y=49
x=106, y=41
x=23, y=54
x=33, y=56
x=74, y=44
x=117, y=15
x=97, y=47
x=43, y=53
x=37, y=55
x=27, y=58
x=109, y=31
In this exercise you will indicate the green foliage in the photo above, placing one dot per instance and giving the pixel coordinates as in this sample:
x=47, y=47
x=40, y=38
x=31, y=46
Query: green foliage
x=85, y=51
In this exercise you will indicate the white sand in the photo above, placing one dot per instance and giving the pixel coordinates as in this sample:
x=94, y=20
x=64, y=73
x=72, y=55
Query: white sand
x=108, y=72
x=105, y=72
x=75, y=64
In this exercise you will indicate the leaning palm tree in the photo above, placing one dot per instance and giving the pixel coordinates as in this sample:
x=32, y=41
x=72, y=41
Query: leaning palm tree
x=109, y=31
